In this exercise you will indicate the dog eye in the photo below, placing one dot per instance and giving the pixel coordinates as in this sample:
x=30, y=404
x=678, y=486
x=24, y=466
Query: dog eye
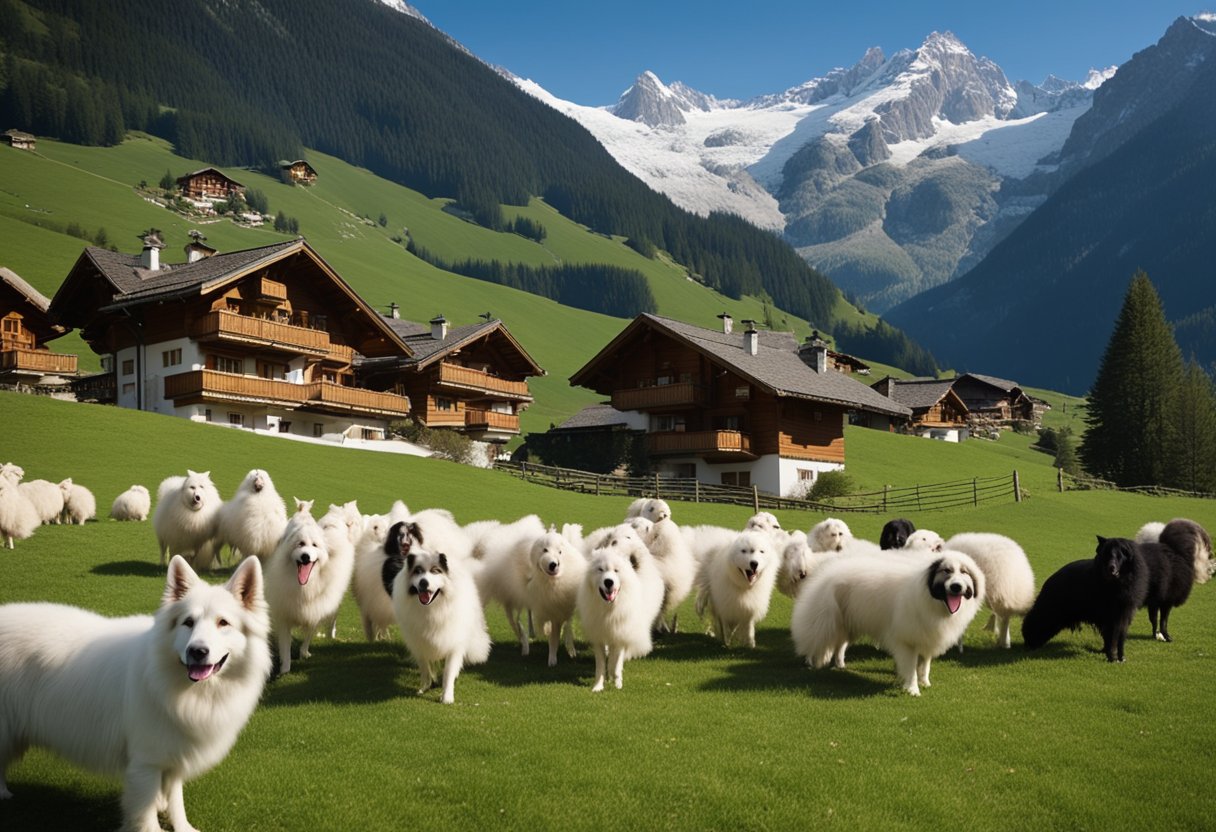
x=302, y=544
x=187, y=622
x=223, y=622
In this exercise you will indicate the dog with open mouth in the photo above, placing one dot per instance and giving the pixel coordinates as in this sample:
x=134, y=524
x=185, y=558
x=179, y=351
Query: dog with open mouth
x=439, y=613
x=915, y=607
x=156, y=699
x=735, y=586
x=555, y=570
x=303, y=587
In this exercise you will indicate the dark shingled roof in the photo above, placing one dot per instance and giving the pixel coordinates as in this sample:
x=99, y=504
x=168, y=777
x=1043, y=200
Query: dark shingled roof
x=418, y=336
x=1003, y=384
x=777, y=367
x=920, y=394
x=595, y=416
x=36, y=298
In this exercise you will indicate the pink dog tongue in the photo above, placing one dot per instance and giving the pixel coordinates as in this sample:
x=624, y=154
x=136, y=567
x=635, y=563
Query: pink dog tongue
x=199, y=672
x=953, y=602
x=303, y=570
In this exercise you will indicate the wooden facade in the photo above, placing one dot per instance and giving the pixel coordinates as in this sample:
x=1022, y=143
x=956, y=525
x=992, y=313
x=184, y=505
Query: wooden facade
x=25, y=327
x=19, y=140
x=994, y=400
x=209, y=183
x=300, y=172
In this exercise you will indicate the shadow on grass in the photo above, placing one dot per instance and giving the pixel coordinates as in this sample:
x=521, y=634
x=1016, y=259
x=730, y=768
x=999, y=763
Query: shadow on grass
x=340, y=672
x=34, y=804
x=130, y=569
x=762, y=670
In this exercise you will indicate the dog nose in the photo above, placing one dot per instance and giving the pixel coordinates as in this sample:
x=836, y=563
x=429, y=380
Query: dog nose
x=608, y=583
x=198, y=655
x=755, y=566
x=306, y=558
x=956, y=588
x=423, y=584
x=553, y=568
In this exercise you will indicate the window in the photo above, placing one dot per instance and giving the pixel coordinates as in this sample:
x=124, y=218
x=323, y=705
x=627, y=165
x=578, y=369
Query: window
x=268, y=369
x=740, y=478
x=667, y=423
x=12, y=326
x=284, y=427
x=237, y=419
x=230, y=365
x=684, y=470
x=107, y=363
x=171, y=358
x=806, y=475
x=207, y=414
x=444, y=404
x=318, y=429
x=743, y=392
x=128, y=388
x=662, y=381
x=128, y=367
x=732, y=422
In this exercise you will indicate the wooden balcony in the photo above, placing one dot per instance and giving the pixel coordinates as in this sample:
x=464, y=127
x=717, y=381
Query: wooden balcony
x=465, y=378
x=212, y=385
x=22, y=360
x=658, y=397
x=712, y=444
x=233, y=328
x=490, y=420
x=444, y=418
x=272, y=290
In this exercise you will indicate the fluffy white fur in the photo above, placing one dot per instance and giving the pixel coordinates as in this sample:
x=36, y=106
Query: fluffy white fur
x=767, y=522
x=441, y=617
x=677, y=566
x=79, y=504
x=1008, y=578
x=342, y=526
x=503, y=577
x=1150, y=532
x=707, y=540
x=133, y=504
x=619, y=599
x=157, y=700
x=303, y=586
x=12, y=472
x=892, y=601
x=735, y=586
x=798, y=563
x=367, y=583
x=18, y=518
x=555, y=570
x=830, y=535
x=441, y=533
x=924, y=540
x=254, y=519
x=653, y=509
x=46, y=497
x=187, y=511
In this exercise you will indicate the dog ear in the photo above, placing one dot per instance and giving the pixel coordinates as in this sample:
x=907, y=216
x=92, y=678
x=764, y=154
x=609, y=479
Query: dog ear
x=633, y=561
x=392, y=543
x=1101, y=539
x=415, y=532
x=443, y=561
x=409, y=560
x=246, y=583
x=180, y=579
x=978, y=580
x=936, y=588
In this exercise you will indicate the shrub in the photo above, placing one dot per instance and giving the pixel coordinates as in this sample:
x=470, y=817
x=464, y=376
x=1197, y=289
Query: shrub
x=445, y=444
x=831, y=484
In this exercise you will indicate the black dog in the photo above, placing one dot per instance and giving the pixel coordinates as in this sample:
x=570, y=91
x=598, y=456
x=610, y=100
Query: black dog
x=895, y=533
x=1175, y=562
x=1104, y=591
x=397, y=545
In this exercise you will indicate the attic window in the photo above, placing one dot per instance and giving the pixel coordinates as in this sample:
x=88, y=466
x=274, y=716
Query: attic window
x=743, y=392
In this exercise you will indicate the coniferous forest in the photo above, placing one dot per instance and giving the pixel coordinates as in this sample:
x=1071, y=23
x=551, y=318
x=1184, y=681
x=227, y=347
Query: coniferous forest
x=246, y=84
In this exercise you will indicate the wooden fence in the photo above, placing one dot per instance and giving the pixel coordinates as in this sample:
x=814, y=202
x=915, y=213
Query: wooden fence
x=1082, y=482
x=931, y=497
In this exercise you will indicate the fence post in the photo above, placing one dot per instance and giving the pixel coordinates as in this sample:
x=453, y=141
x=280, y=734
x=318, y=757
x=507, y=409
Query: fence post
x=918, y=506
x=656, y=485
x=1060, y=479
x=886, y=489
x=696, y=491
x=1017, y=487
x=756, y=498
x=975, y=491
x=597, y=485
x=523, y=471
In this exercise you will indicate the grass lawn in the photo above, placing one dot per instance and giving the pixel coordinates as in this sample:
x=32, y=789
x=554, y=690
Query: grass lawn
x=701, y=737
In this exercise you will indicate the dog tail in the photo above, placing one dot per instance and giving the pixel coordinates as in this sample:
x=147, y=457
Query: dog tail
x=1191, y=541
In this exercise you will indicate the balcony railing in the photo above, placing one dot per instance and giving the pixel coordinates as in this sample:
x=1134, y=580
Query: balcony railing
x=684, y=393
x=229, y=326
x=701, y=442
x=321, y=395
x=436, y=418
x=491, y=420
x=272, y=289
x=467, y=378
x=37, y=361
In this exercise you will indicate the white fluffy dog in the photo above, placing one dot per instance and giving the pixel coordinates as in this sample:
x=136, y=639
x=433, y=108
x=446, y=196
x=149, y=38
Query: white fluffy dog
x=556, y=567
x=133, y=504
x=829, y=535
x=735, y=586
x=618, y=601
x=187, y=510
x=46, y=497
x=157, y=699
x=652, y=509
x=673, y=556
x=504, y=576
x=767, y=522
x=914, y=607
x=79, y=504
x=706, y=540
x=303, y=586
x=924, y=540
x=254, y=519
x=372, y=597
x=440, y=615
x=798, y=563
x=1008, y=577
x=18, y=517
x=342, y=526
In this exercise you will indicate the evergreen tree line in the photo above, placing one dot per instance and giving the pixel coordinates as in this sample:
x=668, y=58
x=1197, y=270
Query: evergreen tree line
x=246, y=84
x=596, y=287
x=888, y=345
x=1151, y=417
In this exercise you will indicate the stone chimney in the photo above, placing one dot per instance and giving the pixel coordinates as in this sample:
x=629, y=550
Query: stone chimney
x=728, y=323
x=149, y=258
x=196, y=249
x=751, y=338
x=439, y=327
x=814, y=353
x=394, y=311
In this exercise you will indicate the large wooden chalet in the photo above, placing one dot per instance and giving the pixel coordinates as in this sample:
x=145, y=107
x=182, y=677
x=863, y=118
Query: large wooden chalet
x=937, y=411
x=25, y=327
x=995, y=400
x=209, y=183
x=750, y=408
x=265, y=338
x=471, y=378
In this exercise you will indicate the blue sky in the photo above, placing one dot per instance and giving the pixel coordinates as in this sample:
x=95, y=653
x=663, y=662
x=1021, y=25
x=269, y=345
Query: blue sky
x=591, y=52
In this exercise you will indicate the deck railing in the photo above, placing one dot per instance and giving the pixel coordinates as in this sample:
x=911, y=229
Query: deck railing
x=319, y=394
x=230, y=326
x=468, y=378
x=37, y=361
x=491, y=420
x=661, y=395
x=701, y=441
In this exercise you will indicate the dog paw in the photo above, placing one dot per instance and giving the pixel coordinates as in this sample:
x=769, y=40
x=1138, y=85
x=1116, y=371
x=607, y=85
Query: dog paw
x=1162, y=637
x=553, y=661
x=617, y=683
x=597, y=687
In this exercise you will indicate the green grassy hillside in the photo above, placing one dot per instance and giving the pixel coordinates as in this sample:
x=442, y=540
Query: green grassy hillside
x=93, y=187
x=701, y=736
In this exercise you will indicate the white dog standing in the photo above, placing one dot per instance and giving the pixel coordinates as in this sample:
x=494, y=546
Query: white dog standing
x=187, y=511
x=158, y=699
x=254, y=519
x=556, y=567
x=300, y=588
x=133, y=504
x=1009, y=580
x=916, y=608
x=735, y=586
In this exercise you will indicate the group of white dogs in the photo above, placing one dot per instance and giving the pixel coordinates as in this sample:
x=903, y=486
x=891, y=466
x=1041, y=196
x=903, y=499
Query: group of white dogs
x=24, y=506
x=162, y=698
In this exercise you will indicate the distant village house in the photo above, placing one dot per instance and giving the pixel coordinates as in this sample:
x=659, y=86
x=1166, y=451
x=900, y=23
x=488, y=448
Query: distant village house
x=209, y=183
x=20, y=140
x=299, y=172
x=25, y=327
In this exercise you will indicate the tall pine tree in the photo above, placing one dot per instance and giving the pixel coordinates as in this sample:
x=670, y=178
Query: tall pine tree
x=1130, y=402
x=1192, y=458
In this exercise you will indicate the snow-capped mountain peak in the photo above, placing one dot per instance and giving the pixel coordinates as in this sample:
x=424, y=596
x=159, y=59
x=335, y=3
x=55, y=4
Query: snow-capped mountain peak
x=650, y=102
x=404, y=8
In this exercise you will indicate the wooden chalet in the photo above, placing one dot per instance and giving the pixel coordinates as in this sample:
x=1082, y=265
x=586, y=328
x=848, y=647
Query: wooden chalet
x=994, y=400
x=20, y=140
x=937, y=411
x=25, y=327
x=209, y=184
x=471, y=378
x=299, y=172
x=750, y=408
x=266, y=338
